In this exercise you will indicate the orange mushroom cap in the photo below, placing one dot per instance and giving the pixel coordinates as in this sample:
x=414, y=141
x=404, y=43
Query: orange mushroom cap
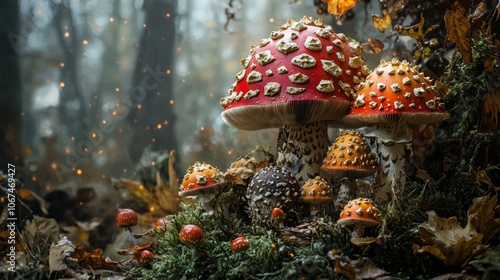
x=316, y=191
x=395, y=92
x=359, y=212
x=200, y=178
x=302, y=73
x=349, y=156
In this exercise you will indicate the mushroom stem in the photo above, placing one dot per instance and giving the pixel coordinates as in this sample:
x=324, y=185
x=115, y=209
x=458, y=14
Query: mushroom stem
x=131, y=236
x=390, y=178
x=358, y=231
x=301, y=148
x=347, y=190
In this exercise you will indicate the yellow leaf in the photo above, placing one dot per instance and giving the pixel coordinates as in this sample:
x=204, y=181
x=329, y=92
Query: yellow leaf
x=381, y=22
x=458, y=28
x=339, y=7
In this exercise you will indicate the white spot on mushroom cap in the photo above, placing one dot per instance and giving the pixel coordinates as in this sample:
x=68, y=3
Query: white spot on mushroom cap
x=406, y=81
x=331, y=68
x=360, y=101
x=254, y=77
x=264, y=42
x=286, y=47
x=398, y=105
x=325, y=86
x=419, y=92
x=276, y=35
x=240, y=75
x=323, y=33
x=373, y=104
x=282, y=70
x=251, y=94
x=298, y=78
x=272, y=89
x=245, y=61
x=269, y=72
x=298, y=26
x=431, y=104
x=396, y=87
x=304, y=61
x=329, y=49
x=355, y=62
x=313, y=44
x=340, y=56
x=380, y=86
x=295, y=90
x=337, y=43
x=264, y=57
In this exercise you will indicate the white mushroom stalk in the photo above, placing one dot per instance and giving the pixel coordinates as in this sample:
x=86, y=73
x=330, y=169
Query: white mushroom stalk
x=394, y=96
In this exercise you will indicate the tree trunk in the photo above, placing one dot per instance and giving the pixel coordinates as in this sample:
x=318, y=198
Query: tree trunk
x=152, y=114
x=10, y=86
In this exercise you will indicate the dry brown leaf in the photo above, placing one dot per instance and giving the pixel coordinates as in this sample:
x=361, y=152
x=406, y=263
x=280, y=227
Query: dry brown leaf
x=382, y=22
x=359, y=269
x=481, y=215
x=492, y=106
x=339, y=7
x=458, y=28
x=448, y=241
x=374, y=46
x=95, y=259
x=479, y=11
x=58, y=252
x=40, y=230
x=395, y=7
x=415, y=31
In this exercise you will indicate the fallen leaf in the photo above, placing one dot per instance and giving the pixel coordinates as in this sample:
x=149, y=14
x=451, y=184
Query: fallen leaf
x=359, y=269
x=481, y=215
x=458, y=28
x=58, y=252
x=40, y=230
x=480, y=10
x=374, y=46
x=339, y=7
x=415, y=31
x=492, y=106
x=382, y=22
x=95, y=259
x=448, y=241
x=395, y=7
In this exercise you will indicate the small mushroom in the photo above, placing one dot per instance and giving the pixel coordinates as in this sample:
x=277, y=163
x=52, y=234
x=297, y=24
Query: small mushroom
x=278, y=216
x=191, y=235
x=203, y=182
x=358, y=214
x=316, y=192
x=239, y=244
x=146, y=257
x=127, y=218
x=271, y=187
x=349, y=158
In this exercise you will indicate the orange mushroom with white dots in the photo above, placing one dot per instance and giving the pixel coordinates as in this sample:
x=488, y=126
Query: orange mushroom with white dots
x=357, y=215
x=316, y=192
x=203, y=182
x=348, y=158
x=394, y=96
x=298, y=79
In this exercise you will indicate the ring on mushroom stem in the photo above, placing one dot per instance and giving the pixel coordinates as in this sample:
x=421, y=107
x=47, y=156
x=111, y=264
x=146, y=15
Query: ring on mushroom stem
x=298, y=79
x=392, y=97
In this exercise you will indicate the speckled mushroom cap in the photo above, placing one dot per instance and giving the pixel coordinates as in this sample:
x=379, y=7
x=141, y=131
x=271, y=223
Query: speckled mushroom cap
x=200, y=178
x=271, y=187
x=316, y=191
x=359, y=212
x=302, y=73
x=395, y=92
x=349, y=156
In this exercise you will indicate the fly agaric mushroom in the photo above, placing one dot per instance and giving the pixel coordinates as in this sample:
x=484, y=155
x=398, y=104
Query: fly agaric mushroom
x=316, y=192
x=358, y=214
x=146, y=256
x=203, y=182
x=278, y=216
x=349, y=157
x=191, y=235
x=127, y=218
x=394, y=96
x=239, y=244
x=271, y=187
x=300, y=78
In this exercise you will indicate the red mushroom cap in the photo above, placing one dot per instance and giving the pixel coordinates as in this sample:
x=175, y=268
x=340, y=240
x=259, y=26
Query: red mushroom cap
x=160, y=222
x=201, y=178
x=359, y=211
x=349, y=156
x=146, y=256
x=303, y=73
x=191, y=235
x=278, y=215
x=126, y=218
x=239, y=244
x=395, y=92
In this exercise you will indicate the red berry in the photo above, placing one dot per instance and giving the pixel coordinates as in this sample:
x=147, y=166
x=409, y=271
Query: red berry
x=126, y=218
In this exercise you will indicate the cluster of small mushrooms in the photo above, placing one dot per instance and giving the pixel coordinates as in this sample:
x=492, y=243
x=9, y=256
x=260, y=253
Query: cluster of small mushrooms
x=302, y=79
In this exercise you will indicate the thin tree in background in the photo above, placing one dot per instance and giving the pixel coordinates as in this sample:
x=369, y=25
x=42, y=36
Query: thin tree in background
x=152, y=116
x=10, y=88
